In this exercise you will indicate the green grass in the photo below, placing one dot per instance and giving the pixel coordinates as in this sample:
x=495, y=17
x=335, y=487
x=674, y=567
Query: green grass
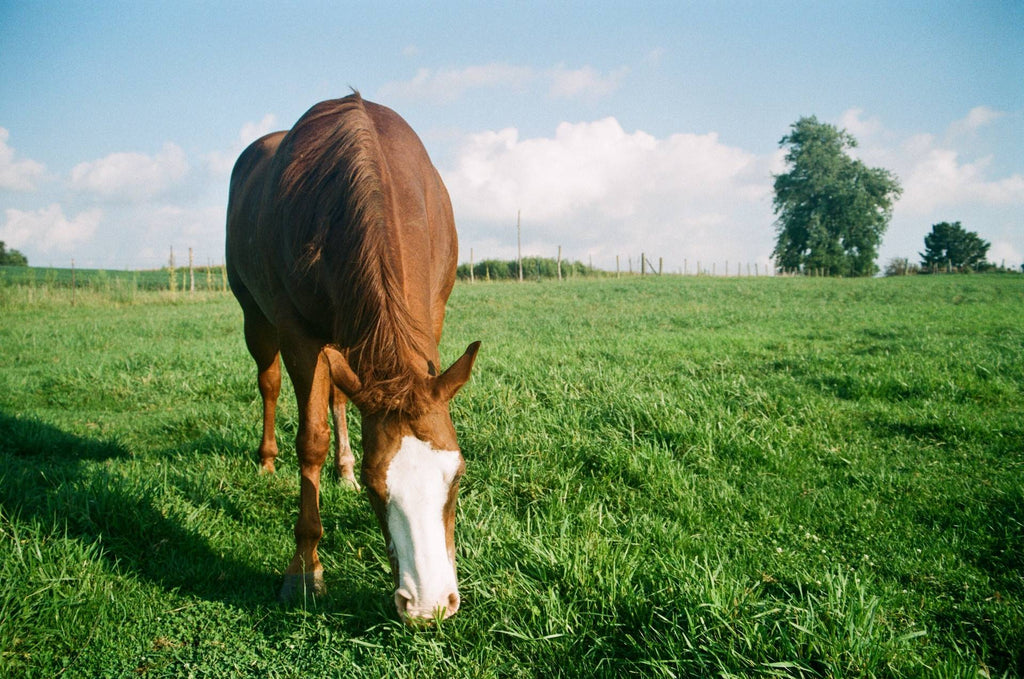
x=666, y=477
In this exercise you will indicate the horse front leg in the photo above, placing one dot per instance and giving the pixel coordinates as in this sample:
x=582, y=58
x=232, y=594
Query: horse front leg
x=311, y=378
x=344, y=460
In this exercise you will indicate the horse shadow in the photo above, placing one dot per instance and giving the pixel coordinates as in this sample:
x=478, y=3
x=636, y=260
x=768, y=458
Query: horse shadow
x=76, y=487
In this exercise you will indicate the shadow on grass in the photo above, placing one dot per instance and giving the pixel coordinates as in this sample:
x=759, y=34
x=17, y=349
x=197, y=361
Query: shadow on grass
x=78, y=487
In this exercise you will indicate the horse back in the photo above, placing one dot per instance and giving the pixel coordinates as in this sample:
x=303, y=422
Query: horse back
x=350, y=187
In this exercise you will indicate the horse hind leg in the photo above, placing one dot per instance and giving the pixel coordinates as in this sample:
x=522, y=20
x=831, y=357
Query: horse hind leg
x=344, y=460
x=261, y=340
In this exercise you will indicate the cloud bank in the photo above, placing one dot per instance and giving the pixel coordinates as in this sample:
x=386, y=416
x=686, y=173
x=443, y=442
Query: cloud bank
x=131, y=176
x=48, y=229
x=599, y=191
x=592, y=187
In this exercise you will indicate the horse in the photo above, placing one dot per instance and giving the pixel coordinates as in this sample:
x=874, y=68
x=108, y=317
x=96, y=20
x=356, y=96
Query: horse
x=341, y=250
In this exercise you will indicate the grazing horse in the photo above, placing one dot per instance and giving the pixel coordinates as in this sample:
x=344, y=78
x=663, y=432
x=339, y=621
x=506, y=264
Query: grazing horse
x=341, y=251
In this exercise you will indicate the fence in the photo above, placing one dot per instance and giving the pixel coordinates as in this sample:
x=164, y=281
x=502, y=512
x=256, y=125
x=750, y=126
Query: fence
x=120, y=285
x=534, y=268
x=198, y=279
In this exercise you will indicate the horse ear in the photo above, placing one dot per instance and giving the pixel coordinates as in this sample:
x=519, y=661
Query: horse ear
x=452, y=379
x=341, y=372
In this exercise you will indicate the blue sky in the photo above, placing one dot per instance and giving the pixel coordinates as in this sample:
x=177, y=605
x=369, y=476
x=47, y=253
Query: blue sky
x=615, y=128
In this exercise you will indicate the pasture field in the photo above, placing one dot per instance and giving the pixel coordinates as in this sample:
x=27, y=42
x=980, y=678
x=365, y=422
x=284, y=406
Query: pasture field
x=666, y=477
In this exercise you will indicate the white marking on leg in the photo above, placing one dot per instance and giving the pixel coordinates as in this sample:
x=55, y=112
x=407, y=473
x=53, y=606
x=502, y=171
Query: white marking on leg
x=419, y=479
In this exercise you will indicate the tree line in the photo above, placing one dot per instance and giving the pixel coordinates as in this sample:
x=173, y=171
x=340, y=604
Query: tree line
x=11, y=257
x=533, y=268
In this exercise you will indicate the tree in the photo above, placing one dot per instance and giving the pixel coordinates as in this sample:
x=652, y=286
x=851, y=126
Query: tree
x=831, y=209
x=11, y=257
x=952, y=245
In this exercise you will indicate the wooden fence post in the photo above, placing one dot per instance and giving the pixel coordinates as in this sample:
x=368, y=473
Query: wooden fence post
x=170, y=265
x=519, y=243
x=559, y=264
x=191, y=275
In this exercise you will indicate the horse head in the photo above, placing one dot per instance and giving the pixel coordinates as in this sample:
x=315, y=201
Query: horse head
x=411, y=469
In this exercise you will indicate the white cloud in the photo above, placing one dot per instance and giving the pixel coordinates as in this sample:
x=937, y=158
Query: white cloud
x=131, y=176
x=1004, y=252
x=854, y=122
x=200, y=226
x=934, y=176
x=17, y=175
x=251, y=131
x=938, y=178
x=448, y=85
x=595, y=187
x=586, y=81
x=936, y=173
x=595, y=165
x=976, y=118
x=49, y=229
x=221, y=162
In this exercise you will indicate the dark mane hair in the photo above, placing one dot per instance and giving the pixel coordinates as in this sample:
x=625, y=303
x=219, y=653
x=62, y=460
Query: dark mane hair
x=333, y=191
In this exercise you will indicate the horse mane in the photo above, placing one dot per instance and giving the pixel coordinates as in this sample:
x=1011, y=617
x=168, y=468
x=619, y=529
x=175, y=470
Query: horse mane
x=334, y=187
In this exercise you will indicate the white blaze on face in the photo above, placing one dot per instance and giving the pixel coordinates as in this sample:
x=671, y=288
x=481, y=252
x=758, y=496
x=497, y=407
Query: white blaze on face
x=419, y=479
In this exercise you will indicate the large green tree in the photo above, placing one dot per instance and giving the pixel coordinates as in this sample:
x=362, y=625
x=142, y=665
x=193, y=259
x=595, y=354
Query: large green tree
x=11, y=257
x=831, y=209
x=949, y=244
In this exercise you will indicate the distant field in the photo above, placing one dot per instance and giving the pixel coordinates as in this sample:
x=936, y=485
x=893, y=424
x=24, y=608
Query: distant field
x=113, y=281
x=666, y=477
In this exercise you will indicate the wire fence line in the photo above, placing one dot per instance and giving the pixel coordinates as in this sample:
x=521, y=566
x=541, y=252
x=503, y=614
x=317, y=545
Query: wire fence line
x=536, y=267
x=187, y=277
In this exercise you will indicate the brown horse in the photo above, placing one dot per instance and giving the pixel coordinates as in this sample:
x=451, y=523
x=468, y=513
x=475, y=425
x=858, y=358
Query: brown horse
x=341, y=250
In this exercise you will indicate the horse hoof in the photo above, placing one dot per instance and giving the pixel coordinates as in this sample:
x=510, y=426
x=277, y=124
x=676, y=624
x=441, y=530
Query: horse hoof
x=347, y=478
x=298, y=586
